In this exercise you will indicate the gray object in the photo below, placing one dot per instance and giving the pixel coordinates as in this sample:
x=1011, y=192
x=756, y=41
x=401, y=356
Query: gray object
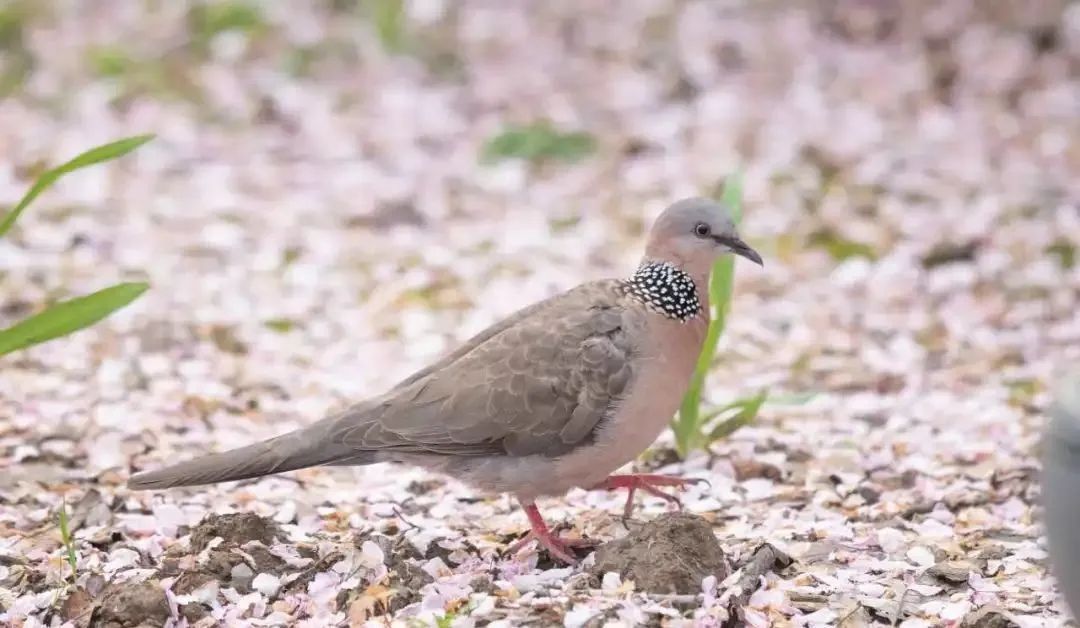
x=1061, y=487
x=557, y=396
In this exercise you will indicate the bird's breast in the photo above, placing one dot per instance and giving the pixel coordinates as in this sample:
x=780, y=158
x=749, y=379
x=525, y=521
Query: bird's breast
x=666, y=361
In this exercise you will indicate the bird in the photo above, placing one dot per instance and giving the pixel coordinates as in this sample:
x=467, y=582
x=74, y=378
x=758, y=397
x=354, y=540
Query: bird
x=558, y=395
x=1060, y=484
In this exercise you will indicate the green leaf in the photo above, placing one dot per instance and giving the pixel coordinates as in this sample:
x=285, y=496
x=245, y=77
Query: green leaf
x=538, y=142
x=110, y=61
x=93, y=156
x=747, y=411
x=17, y=62
x=280, y=325
x=67, y=317
x=1064, y=251
x=207, y=20
x=840, y=248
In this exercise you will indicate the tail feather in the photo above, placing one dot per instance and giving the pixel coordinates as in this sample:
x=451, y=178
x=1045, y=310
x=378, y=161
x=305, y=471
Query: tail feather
x=295, y=450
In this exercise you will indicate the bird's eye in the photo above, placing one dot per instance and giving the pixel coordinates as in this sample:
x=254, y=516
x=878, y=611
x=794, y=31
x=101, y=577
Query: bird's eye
x=702, y=230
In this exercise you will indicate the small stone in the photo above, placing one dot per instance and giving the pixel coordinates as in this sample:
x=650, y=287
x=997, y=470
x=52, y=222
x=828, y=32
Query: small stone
x=890, y=539
x=746, y=469
x=287, y=512
x=267, y=584
x=920, y=556
x=241, y=573
x=193, y=612
x=955, y=572
x=482, y=584
x=226, y=340
x=869, y=494
x=610, y=582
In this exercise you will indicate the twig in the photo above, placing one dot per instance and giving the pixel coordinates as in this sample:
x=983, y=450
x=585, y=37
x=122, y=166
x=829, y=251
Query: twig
x=849, y=615
x=674, y=598
x=764, y=559
x=401, y=516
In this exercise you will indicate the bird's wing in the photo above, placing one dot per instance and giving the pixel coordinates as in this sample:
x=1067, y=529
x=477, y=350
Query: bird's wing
x=538, y=385
x=477, y=340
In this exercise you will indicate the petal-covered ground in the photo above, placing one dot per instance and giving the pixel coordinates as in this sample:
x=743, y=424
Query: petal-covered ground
x=324, y=210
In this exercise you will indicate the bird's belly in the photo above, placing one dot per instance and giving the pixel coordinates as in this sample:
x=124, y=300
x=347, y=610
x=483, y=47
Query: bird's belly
x=654, y=396
x=633, y=426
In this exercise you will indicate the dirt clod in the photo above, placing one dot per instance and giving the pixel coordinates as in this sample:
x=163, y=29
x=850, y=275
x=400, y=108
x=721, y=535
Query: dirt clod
x=78, y=607
x=236, y=529
x=669, y=555
x=243, y=553
x=746, y=469
x=132, y=606
x=988, y=617
x=406, y=575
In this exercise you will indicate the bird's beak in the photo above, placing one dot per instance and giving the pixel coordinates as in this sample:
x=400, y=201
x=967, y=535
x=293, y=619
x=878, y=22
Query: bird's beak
x=742, y=249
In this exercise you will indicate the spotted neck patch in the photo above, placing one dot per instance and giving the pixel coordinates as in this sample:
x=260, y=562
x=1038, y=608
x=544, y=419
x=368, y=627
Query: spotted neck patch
x=666, y=290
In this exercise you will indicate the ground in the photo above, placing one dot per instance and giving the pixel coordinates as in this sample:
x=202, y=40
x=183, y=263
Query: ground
x=318, y=217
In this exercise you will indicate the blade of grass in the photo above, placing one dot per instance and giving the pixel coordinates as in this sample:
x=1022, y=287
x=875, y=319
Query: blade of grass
x=793, y=399
x=687, y=426
x=714, y=412
x=538, y=142
x=389, y=19
x=722, y=280
x=748, y=411
x=93, y=156
x=65, y=536
x=68, y=316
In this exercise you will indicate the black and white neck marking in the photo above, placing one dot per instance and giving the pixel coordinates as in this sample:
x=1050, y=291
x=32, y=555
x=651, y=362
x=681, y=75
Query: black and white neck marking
x=666, y=290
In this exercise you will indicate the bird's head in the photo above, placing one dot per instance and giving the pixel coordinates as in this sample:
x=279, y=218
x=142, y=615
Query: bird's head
x=692, y=233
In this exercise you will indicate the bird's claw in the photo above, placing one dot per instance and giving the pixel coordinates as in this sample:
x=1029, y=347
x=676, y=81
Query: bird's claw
x=559, y=547
x=648, y=482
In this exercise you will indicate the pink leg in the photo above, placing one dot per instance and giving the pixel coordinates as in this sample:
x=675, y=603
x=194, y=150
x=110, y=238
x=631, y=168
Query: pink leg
x=647, y=482
x=539, y=532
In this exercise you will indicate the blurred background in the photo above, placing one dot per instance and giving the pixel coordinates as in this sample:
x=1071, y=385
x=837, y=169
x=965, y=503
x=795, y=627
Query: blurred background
x=339, y=191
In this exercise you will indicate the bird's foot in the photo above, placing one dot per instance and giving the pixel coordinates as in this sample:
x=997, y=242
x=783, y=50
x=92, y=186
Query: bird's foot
x=561, y=549
x=648, y=482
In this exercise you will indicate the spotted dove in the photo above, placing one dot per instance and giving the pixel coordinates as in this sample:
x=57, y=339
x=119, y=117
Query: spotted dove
x=556, y=396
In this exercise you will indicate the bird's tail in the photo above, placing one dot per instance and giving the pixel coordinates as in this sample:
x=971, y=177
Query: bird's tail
x=296, y=450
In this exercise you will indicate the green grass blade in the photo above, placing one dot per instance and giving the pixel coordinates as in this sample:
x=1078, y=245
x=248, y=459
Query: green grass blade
x=748, y=411
x=105, y=152
x=389, y=19
x=722, y=280
x=65, y=536
x=68, y=316
x=793, y=399
x=538, y=142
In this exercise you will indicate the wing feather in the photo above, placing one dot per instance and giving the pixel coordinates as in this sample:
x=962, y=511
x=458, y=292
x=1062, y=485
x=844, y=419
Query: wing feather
x=538, y=385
